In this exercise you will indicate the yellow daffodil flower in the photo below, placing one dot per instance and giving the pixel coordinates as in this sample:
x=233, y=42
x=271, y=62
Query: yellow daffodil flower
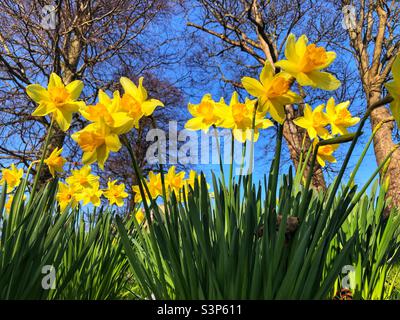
x=272, y=91
x=305, y=62
x=82, y=178
x=58, y=99
x=107, y=112
x=153, y=184
x=9, y=203
x=135, y=100
x=138, y=197
x=12, y=176
x=325, y=153
x=239, y=118
x=394, y=89
x=205, y=114
x=339, y=117
x=193, y=176
x=66, y=195
x=139, y=215
x=314, y=122
x=96, y=142
x=174, y=181
x=55, y=161
x=115, y=193
x=90, y=194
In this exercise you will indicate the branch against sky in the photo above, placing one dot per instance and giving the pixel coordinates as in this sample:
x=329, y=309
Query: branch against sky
x=95, y=41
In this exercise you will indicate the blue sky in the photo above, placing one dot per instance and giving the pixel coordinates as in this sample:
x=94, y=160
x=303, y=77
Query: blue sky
x=264, y=148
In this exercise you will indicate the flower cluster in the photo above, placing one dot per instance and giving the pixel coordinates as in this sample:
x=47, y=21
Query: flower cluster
x=84, y=186
x=116, y=115
x=316, y=121
x=303, y=63
x=173, y=181
x=109, y=118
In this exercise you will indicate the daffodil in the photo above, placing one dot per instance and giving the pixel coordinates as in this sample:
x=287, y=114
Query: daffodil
x=12, y=176
x=115, y=193
x=340, y=117
x=305, y=62
x=314, y=122
x=272, y=90
x=174, y=181
x=139, y=215
x=82, y=178
x=394, y=89
x=91, y=194
x=107, y=112
x=193, y=176
x=325, y=153
x=153, y=184
x=135, y=101
x=239, y=118
x=58, y=99
x=55, y=162
x=205, y=114
x=96, y=142
x=66, y=195
x=9, y=203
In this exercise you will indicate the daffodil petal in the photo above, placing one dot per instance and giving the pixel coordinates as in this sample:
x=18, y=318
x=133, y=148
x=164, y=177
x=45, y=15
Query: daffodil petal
x=37, y=93
x=253, y=86
x=75, y=89
x=55, y=81
x=149, y=106
x=290, y=48
x=43, y=109
x=194, y=124
x=288, y=66
x=267, y=73
x=130, y=87
x=324, y=80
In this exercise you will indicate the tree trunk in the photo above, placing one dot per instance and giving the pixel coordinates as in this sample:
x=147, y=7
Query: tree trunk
x=383, y=144
x=294, y=136
x=68, y=73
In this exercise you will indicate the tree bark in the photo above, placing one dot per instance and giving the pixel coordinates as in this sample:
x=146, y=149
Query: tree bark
x=383, y=145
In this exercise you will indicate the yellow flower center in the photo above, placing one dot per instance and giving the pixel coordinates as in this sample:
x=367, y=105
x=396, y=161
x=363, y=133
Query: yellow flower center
x=100, y=111
x=131, y=105
x=325, y=150
x=59, y=95
x=342, y=117
x=89, y=141
x=314, y=57
x=279, y=87
x=206, y=110
x=10, y=178
x=241, y=113
x=319, y=120
x=83, y=180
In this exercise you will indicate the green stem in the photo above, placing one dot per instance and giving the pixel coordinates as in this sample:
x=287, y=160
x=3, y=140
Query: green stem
x=231, y=168
x=44, y=152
